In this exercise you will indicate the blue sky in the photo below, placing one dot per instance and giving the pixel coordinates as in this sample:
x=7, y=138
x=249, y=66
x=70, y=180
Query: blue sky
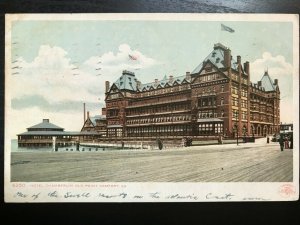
x=47, y=54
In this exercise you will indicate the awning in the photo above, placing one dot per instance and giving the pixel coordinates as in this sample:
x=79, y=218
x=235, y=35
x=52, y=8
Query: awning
x=210, y=120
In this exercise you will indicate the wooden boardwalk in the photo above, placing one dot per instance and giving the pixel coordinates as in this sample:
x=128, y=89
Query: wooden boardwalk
x=227, y=163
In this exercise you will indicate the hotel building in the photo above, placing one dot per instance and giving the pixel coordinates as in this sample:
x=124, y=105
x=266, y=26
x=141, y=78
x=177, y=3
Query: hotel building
x=217, y=97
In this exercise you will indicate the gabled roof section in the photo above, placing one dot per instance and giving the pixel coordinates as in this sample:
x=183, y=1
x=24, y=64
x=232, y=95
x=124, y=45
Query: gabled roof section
x=97, y=117
x=267, y=83
x=165, y=83
x=216, y=57
x=45, y=125
x=127, y=81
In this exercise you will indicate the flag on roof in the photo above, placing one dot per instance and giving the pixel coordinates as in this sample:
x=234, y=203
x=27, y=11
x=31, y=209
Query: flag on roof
x=226, y=28
x=132, y=57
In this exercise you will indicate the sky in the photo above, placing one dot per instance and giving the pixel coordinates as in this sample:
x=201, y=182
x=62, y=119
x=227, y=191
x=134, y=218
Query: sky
x=58, y=65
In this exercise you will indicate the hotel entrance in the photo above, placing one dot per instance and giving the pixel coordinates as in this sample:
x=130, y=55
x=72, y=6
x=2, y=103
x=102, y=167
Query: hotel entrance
x=210, y=126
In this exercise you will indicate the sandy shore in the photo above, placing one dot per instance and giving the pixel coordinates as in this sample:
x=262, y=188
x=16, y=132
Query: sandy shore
x=245, y=163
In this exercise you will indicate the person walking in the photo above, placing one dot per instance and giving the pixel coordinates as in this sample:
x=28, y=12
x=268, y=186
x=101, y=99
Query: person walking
x=268, y=139
x=286, y=142
x=281, y=142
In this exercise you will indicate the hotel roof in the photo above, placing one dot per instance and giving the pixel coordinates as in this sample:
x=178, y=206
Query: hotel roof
x=216, y=57
x=267, y=83
x=165, y=81
x=127, y=81
x=97, y=117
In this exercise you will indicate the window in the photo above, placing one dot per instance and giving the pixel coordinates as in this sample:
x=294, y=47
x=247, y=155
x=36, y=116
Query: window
x=222, y=88
x=208, y=69
x=222, y=113
x=222, y=101
x=244, y=115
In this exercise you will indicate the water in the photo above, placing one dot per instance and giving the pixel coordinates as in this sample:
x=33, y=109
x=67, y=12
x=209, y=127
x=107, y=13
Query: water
x=15, y=148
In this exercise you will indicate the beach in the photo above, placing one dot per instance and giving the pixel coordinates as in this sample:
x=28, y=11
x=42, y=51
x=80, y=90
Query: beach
x=249, y=162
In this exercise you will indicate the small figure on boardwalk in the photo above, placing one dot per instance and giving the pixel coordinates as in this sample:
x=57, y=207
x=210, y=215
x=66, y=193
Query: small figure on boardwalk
x=286, y=142
x=220, y=139
x=183, y=142
x=281, y=142
x=188, y=141
x=122, y=144
x=160, y=144
x=268, y=139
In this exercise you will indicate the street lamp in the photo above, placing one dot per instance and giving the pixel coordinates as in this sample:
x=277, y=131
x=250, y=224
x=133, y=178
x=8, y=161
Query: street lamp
x=244, y=134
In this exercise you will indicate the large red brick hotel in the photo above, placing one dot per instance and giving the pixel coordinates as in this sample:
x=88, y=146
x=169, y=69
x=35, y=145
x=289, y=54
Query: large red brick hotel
x=217, y=97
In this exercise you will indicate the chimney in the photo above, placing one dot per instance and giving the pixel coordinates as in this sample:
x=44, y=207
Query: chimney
x=247, y=67
x=106, y=86
x=238, y=59
x=84, y=119
x=227, y=58
x=170, y=78
x=103, y=111
x=259, y=84
x=45, y=120
x=188, y=75
x=156, y=81
x=138, y=84
x=276, y=82
x=88, y=114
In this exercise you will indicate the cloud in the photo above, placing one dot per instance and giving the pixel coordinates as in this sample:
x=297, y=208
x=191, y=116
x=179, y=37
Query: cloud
x=111, y=65
x=54, y=85
x=278, y=68
x=53, y=75
x=42, y=103
x=276, y=65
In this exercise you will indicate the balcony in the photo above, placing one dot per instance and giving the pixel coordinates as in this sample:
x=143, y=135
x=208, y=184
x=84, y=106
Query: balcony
x=157, y=123
x=158, y=113
x=145, y=104
x=206, y=94
x=207, y=107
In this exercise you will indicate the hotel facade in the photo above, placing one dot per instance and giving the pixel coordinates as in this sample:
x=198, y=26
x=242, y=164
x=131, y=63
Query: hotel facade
x=217, y=97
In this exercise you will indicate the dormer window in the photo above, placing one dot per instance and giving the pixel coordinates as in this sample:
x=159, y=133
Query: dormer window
x=217, y=60
x=208, y=69
x=213, y=54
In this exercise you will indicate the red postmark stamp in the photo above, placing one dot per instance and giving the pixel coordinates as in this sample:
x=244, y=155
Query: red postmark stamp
x=287, y=190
